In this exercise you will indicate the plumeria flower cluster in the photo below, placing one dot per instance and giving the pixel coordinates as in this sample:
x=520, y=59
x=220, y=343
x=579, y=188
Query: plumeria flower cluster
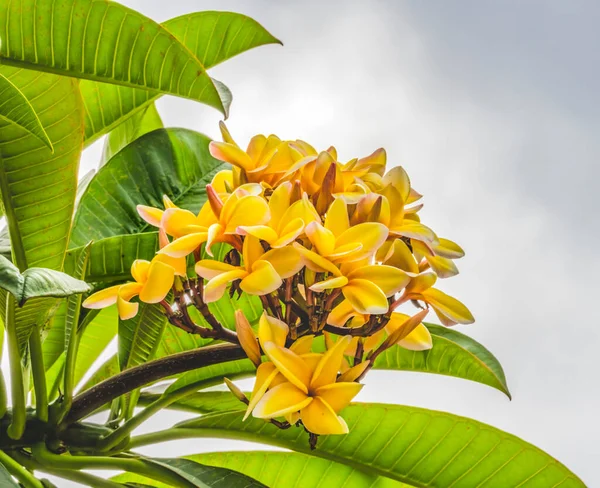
x=334, y=251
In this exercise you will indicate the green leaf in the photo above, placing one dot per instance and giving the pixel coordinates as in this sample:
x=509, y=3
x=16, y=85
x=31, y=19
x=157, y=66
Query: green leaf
x=102, y=41
x=15, y=108
x=196, y=474
x=111, y=258
x=175, y=162
x=294, y=470
x=139, y=336
x=34, y=178
x=201, y=402
x=141, y=123
x=213, y=37
x=38, y=282
x=96, y=336
x=412, y=445
x=452, y=354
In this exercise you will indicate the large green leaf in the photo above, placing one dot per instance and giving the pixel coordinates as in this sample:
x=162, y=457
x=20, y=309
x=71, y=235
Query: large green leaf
x=95, y=338
x=102, y=41
x=15, y=108
x=141, y=123
x=419, y=447
x=453, y=354
x=201, y=402
x=38, y=282
x=213, y=37
x=175, y=162
x=38, y=187
x=109, y=368
x=294, y=470
x=197, y=474
x=139, y=336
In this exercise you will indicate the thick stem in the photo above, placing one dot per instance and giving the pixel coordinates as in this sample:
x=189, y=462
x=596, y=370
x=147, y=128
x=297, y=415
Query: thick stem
x=17, y=425
x=133, y=378
x=138, y=466
x=39, y=375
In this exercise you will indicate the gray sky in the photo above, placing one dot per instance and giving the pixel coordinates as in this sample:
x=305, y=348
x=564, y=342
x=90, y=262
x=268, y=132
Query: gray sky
x=492, y=107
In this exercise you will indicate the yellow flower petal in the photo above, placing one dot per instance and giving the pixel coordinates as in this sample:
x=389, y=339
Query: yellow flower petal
x=443, y=267
x=414, y=230
x=273, y=330
x=290, y=231
x=150, y=214
x=366, y=297
x=315, y=262
x=214, y=289
x=319, y=418
x=398, y=255
x=140, y=269
x=282, y=399
x=338, y=395
x=174, y=220
x=398, y=178
x=330, y=363
x=263, y=279
x=231, y=154
x=126, y=309
x=354, y=372
x=302, y=345
x=287, y=261
x=252, y=250
x=260, y=232
x=370, y=234
x=421, y=282
x=185, y=245
x=289, y=365
x=210, y=268
x=341, y=313
x=222, y=182
x=179, y=265
x=159, y=283
x=388, y=279
x=401, y=326
x=265, y=374
x=248, y=210
x=247, y=337
x=336, y=282
x=103, y=298
x=321, y=238
x=214, y=234
x=279, y=203
x=448, y=306
x=448, y=249
x=336, y=219
x=418, y=340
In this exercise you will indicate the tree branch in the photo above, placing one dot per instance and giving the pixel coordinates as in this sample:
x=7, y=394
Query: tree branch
x=90, y=400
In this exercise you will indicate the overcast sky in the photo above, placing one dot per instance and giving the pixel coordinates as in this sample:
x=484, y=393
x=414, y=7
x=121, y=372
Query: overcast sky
x=492, y=107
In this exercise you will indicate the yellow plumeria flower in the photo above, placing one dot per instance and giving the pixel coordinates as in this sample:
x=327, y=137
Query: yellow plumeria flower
x=439, y=257
x=288, y=219
x=365, y=287
x=217, y=221
x=338, y=242
x=310, y=389
x=448, y=309
x=153, y=281
x=265, y=160
x=261, y=272
x=154, y=215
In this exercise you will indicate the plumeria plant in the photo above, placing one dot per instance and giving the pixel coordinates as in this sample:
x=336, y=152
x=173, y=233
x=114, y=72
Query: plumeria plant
x=210, y=263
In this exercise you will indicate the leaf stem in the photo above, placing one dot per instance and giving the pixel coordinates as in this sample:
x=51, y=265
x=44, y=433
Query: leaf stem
x=17, y=382
x=39, y=375
x=18, y=471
